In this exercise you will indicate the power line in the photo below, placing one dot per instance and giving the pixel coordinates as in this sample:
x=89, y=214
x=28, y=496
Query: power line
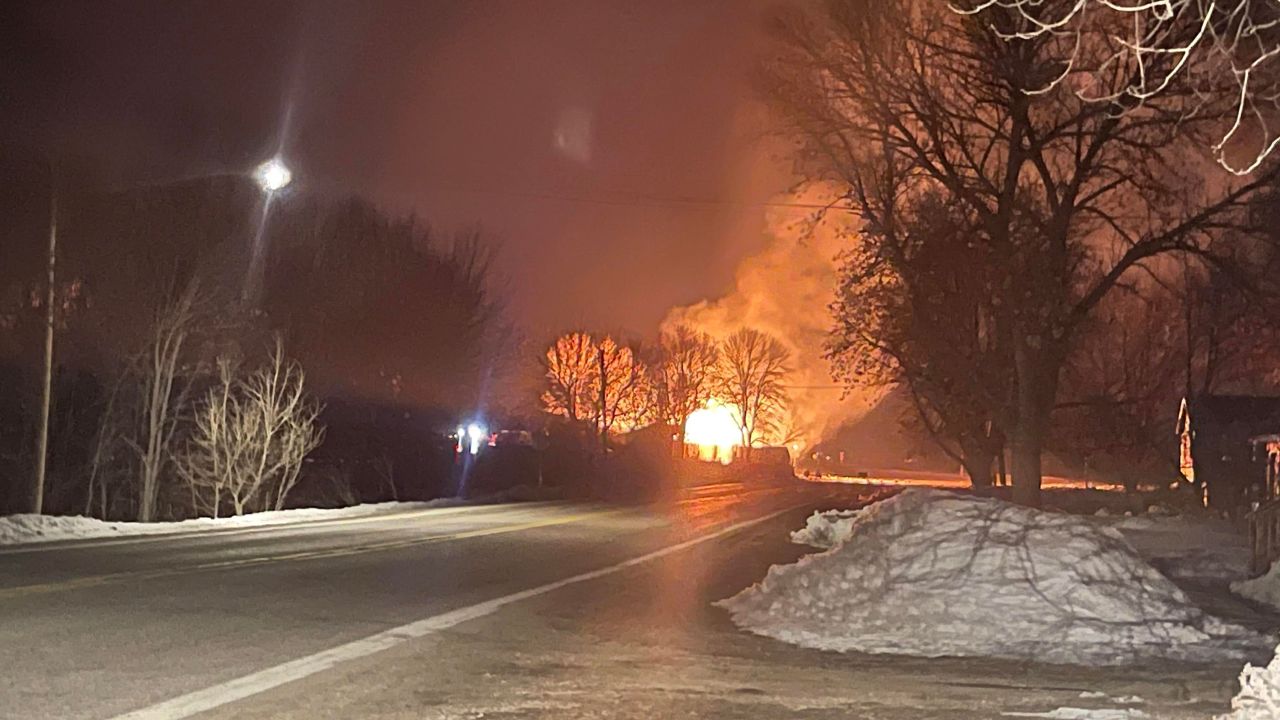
x=645, y=200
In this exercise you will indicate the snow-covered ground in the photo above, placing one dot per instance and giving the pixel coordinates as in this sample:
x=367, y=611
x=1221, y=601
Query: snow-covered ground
x=26, y=528
x=21, y=529
x=1264, y=589
x=1124, y=711
x=1182, y=547
x=933, y=573
x=825, y=530
x=1259, y=696
x=1186, y=547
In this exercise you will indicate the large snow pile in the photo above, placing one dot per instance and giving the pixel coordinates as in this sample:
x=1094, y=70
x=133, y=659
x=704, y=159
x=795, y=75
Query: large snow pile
x=932, y=573
x=15, y=529
x=1179, y=546
x=1264, y=589
x=1259, y=696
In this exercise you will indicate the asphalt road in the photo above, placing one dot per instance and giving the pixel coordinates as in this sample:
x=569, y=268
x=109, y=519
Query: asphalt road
x=98, y=629
x=514, y=611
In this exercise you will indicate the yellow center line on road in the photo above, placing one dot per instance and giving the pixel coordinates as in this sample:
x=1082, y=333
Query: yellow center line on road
x=113, y=578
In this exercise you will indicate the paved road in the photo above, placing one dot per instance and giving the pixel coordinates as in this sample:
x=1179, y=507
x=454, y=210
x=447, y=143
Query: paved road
x=97, y=629
x=517, y=611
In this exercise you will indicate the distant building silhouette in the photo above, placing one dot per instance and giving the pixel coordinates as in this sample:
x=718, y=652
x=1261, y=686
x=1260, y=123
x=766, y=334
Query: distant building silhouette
x=1217, y=446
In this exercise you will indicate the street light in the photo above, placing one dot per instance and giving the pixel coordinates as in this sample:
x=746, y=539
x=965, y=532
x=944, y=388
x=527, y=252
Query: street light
x=272, y=175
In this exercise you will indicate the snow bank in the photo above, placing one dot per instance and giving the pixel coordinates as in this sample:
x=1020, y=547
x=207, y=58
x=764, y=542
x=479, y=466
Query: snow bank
x=1074, y=713
x=825, y=530
x=1182, y=547
x=16, y=529
x=23, y=529
x=932, y=573
x=1264, y=589
x=1259, y=696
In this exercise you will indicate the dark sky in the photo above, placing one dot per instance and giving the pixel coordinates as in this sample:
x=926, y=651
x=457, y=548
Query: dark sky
x=572, y=131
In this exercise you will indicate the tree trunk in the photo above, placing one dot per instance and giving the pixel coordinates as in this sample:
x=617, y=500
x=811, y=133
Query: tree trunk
x=1028, y=442
x=1037, y=376
x=977, y=462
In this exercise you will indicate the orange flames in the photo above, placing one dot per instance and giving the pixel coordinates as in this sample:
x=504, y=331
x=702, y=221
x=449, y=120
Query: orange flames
x=715, y=430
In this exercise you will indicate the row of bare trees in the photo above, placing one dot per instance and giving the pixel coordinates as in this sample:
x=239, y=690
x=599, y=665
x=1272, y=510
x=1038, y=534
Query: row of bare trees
x=998, y=209
x=384, y=312
x=182, y=422
x=615, y=387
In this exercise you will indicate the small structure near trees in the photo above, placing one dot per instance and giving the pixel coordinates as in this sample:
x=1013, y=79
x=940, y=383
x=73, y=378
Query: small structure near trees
x=1216, y=449
x=1264, y=520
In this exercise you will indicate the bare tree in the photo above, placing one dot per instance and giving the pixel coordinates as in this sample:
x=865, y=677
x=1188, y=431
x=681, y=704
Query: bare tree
x=385, y=467
x=630, y=394
x=105, y=449
x=164, y=387
x=913, y=309
x=288, y=423
x=213, y=456
x=1069, y=197
x=596, y=380
x=569, y=365
x=684, y=373
x=618, y=385
x=251, y=436
x=753, y=366
x=1216, y=46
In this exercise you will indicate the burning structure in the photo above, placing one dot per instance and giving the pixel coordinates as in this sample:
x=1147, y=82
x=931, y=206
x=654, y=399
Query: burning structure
x=786, y=290
x=712, y=433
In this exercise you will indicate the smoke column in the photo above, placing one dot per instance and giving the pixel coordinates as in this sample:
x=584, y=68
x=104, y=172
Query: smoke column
x=786, y=290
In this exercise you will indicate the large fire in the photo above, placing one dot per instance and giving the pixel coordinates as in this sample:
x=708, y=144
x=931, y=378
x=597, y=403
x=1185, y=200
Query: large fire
x=714, y=429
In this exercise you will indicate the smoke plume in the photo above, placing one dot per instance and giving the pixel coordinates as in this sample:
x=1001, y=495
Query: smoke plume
x=786, y=290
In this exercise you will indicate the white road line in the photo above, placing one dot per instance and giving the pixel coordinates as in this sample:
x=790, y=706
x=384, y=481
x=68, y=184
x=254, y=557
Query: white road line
x=184, y=706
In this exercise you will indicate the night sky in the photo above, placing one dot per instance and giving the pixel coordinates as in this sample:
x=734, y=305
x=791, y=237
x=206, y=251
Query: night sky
x=613, y=148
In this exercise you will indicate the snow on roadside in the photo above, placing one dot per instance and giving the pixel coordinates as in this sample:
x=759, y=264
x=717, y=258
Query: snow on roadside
x=26, y=529
x=1183, y=547
x=825, y=530
x=1259, y=696
x=932, y=573
x=1074, y=713
x=21, y=529
x=1264, y=589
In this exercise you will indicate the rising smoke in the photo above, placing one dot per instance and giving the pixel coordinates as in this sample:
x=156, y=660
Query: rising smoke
x=786, y=290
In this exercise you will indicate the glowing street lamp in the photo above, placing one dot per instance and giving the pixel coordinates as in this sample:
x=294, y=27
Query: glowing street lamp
x=272, y=175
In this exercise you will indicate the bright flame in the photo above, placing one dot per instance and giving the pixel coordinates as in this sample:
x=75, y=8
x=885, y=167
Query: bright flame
x=714, y=429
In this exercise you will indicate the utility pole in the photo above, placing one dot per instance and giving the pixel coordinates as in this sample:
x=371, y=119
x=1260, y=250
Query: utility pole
x=604, y=406
x=46, y=395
